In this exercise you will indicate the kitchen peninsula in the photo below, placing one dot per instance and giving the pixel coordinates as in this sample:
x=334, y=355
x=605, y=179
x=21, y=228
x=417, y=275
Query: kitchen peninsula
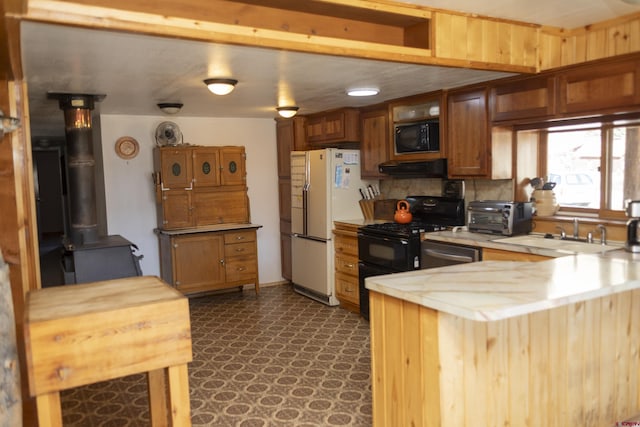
x=550, y=343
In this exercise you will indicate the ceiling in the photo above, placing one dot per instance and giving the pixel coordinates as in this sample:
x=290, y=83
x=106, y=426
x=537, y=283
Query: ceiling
x=135, y=72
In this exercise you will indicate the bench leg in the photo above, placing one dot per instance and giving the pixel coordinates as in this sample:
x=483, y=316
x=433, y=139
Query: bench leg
x=49, y=410
x=157, y=391
x=180, y=407
x=169, y=404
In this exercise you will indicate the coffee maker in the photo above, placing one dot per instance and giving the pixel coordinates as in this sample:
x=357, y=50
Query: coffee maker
x=633, y=212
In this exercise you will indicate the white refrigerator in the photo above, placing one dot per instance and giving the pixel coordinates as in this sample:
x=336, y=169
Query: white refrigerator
x=324, y=187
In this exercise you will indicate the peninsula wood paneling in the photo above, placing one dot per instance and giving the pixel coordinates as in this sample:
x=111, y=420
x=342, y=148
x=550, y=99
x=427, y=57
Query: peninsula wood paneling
x=567, y=366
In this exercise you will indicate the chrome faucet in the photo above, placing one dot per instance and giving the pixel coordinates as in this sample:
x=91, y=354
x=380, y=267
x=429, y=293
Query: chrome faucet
x=575, y=228
x=563, y=234
x=603, y=234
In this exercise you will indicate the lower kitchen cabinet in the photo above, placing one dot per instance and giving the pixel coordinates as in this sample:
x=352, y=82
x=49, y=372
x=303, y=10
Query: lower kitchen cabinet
x=500, y=255
x=346, y=265
x=197, y=260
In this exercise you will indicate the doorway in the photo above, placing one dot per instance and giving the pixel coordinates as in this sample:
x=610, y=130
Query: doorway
x=49, y=182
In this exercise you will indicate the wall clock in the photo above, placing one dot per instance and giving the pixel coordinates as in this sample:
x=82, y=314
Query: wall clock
x=127, y=147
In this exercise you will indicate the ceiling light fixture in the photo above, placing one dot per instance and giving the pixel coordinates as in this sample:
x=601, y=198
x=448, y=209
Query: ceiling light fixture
x=287, y=112
x=221, y=86
x=368, y=91
x=170, y=107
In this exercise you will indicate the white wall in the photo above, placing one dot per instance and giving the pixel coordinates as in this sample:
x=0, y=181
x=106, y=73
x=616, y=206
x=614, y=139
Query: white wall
x=130, y=196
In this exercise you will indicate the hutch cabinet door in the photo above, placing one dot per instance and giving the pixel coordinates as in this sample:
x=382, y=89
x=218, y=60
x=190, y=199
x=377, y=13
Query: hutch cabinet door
x=176, y=167
x=176, y=209
x=232, y=166
x=374, y=148
x=198, y=262
x=206, y=167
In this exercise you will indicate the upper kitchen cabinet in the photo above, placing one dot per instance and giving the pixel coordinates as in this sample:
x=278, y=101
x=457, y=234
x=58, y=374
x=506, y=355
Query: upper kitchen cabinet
x=523, y=99
x=612, y=86
x=415, y=132
x=333, y=127
x=374, y=147
x=290, y=136
x=472, y=151
x=198, y=186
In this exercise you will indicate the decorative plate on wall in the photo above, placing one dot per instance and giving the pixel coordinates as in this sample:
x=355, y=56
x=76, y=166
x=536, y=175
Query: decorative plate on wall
x=127, y=147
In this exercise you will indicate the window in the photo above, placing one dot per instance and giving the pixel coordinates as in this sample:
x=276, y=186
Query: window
x=594, y=165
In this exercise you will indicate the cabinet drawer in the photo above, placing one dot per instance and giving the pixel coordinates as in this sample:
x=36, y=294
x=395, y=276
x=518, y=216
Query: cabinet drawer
x=347, y=264
x=346, y=245
x=241, y=268
x=347, y=288
x=239, y=249
x=239, y=236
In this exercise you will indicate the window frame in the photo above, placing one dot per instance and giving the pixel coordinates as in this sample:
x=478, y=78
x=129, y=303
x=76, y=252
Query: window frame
x=606, y=124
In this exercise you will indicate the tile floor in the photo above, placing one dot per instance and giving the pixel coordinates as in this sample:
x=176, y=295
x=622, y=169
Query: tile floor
x=276, y=359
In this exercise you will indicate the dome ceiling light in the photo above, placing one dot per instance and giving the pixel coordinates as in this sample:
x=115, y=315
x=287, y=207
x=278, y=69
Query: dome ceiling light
x=170, y=107
x=221, y=86
x=364, y=91
x=287, y=112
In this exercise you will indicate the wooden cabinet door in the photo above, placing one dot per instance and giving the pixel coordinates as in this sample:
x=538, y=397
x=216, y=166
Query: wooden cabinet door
x=284, y=204
x=600, y=87
x=284, y=137
x=176, y=209
x=220, y=207
x=232, y=166
x=285, y=249
x=523, y=98
x=198, y=261
x=176, y=167
x=315, y=129
x=206, y=167
x=468, y=134
x=374, y=147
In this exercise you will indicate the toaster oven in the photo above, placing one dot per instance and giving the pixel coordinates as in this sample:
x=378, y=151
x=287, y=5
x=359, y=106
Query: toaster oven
x=499, y=217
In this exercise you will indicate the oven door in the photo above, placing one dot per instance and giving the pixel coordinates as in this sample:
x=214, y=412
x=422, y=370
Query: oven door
x=393, y=253
x=364, y=271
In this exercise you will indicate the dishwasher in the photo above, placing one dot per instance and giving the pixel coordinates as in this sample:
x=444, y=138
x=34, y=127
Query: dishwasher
x=439, y=254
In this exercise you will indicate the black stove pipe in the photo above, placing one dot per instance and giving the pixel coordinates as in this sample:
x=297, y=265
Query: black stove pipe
x=80, y=166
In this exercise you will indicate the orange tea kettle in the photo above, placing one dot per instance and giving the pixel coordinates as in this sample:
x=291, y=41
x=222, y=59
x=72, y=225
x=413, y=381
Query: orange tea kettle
x=402, y=215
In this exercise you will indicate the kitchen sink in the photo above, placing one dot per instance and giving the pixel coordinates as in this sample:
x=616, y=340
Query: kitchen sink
x=539, y=241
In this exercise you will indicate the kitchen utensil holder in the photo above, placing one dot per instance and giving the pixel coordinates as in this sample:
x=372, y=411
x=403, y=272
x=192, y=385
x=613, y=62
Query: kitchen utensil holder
x=367, y=206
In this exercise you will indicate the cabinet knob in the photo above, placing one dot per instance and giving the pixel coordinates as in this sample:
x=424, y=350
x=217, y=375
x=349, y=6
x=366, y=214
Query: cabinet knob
x=239, y=237
x=241, y=269
x=239, y=249
x=177, y=283
x=349, y=265
x=221, y=262
x=175, y=245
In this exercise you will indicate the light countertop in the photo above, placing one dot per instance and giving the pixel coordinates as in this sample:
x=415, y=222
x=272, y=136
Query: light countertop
x=209, y=228
x=495, y=290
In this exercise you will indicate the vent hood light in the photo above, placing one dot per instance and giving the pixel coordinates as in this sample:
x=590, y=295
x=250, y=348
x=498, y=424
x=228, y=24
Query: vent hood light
x=363, y=92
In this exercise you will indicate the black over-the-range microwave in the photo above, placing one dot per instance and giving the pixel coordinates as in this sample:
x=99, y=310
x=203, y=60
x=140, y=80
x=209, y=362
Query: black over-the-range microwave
x=417, y=137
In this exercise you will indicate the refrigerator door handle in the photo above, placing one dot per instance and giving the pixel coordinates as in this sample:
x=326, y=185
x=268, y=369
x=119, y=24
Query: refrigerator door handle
x=305, y=195
x=315, y=239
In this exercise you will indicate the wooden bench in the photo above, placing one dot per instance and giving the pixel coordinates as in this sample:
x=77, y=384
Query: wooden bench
x=82, y=334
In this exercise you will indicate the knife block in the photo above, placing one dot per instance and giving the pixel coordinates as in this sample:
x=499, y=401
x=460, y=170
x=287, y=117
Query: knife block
x=366, y=206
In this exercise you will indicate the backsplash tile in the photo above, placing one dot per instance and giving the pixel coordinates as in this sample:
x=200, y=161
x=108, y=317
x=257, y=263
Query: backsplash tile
x=475, y=189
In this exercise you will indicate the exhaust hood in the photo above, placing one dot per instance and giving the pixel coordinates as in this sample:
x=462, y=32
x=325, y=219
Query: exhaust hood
x=417, y=169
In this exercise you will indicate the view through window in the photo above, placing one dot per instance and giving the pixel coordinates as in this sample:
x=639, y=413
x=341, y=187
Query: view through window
x=594, y=166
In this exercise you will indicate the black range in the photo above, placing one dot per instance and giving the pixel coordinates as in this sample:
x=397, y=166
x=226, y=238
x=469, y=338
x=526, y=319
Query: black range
x=391, y=247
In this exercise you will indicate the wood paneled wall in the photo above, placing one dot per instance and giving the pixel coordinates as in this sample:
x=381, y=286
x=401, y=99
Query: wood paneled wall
x=603, y=40
x=486, y=40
